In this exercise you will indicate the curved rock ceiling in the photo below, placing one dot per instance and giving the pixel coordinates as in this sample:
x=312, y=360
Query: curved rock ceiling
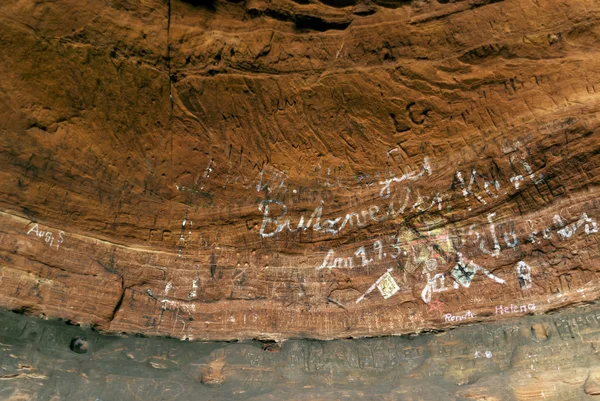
x=283, y=169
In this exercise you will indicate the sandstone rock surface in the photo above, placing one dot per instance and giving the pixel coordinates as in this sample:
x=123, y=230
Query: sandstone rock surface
x=283, y=169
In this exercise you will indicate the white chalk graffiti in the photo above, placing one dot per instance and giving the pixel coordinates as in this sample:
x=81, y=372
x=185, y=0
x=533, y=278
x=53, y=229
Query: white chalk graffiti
x=434, y=284
x=468, y=190
x=385, y=189
x=194, y=292
x=417, y=250
x=280, y=176
x=449, y=317
x=332, y=262
x=515, y=180
x=385, y=276
x=274, y=223
x=172, y=305
x=48, y=236
x=568, y=230
x=388, y=286
x=167, y=304
x=425, y=252
x=464, y=272
x=524, y=275
x=487, y=354
x=501, y=310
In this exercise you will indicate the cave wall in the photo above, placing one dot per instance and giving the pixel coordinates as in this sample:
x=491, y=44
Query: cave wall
x=282, y=169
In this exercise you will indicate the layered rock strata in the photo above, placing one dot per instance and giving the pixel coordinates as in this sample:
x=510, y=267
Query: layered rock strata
x=280, y=169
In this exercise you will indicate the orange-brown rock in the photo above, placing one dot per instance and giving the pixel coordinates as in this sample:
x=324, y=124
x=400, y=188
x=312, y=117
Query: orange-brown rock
x=276, y=169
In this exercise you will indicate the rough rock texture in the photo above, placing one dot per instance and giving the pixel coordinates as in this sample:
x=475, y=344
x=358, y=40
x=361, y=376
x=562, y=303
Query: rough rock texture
x=278, y=169
x=499, y=361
